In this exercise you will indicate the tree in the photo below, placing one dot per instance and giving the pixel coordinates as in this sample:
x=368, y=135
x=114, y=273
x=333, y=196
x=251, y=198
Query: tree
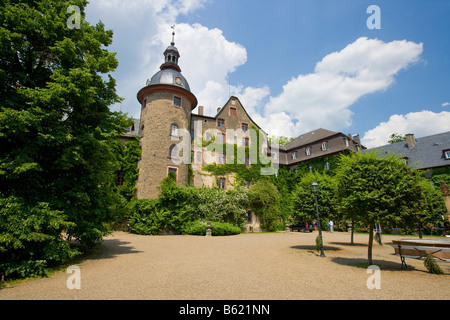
x=264, y=200
x=382, y=190
x=55, y=126
x=303, y=198
x=394, y=138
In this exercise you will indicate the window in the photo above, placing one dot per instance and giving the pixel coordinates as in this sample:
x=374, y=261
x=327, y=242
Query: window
x=173, y=152
x=221, y=158
x=327, y=165
x=177, y=101
x=221, y=137
x=346, y=142
x=174, y=170
x=294, y=155
x=221, y=123
x=198, y=158
x=247, y=183
x=174, y=130
x=405, y=161
x=324, y=146
x=447, y=154
x=275, y=156
x=142, y=129
x=246, y=142
x=222, y=183
x=308, y=151
x=144, y=103
x=247, y=161
x=244, y=127
x=207, y=136
x=233, y=112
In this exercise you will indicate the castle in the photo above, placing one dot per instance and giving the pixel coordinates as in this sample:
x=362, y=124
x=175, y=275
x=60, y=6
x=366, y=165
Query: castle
x=173, y=138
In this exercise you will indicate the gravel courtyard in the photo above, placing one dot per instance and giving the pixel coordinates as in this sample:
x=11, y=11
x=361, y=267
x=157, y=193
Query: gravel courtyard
x=273, y=266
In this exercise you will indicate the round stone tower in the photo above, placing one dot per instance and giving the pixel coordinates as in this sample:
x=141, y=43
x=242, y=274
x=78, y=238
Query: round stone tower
x=166, y=105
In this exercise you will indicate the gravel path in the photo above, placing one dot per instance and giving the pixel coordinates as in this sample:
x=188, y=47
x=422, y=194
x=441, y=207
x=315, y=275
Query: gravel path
x=273, y=266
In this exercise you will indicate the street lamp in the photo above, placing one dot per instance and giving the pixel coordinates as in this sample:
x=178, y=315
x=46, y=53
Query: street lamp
x=314, y=190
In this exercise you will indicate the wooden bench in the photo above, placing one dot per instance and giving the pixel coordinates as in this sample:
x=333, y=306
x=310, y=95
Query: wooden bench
x=419, y=248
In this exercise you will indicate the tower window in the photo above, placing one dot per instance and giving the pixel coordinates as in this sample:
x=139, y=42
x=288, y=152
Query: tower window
x=173, y=150
x=174, y=130
x=174, y=170
x=177, y=101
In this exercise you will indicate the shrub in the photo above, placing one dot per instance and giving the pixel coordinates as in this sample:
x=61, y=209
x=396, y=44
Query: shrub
x=199, y=227
x=432, y=265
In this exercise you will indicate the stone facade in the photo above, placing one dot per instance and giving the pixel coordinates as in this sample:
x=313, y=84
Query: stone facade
x=232, y=125
x=163, y=147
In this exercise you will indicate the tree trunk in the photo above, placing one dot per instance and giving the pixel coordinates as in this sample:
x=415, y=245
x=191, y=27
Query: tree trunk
x=353, y=231
x=420, y=230
x=369, y=254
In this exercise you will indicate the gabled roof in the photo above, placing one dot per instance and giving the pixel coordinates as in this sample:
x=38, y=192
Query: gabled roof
x=426, y=153
x=309, y=137
x=236, y=98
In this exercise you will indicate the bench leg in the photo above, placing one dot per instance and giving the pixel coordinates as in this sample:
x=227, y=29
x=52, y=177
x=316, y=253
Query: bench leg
x=402, y=258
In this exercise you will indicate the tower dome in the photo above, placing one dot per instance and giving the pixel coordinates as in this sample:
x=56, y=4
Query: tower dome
x=169, y=74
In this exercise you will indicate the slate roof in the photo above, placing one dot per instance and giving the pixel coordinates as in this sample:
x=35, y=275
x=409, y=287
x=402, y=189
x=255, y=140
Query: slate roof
x=427, y=153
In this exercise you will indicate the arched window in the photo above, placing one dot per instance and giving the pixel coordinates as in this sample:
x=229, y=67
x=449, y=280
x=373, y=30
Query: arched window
x=174, y=130
x=173, y=152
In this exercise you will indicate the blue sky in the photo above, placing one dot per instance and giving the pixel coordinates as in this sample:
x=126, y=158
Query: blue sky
x=296, y=65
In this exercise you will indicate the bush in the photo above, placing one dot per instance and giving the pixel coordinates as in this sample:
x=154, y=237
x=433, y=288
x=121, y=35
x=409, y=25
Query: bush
x=432, y=265
x=30, y=238
x=218, y=228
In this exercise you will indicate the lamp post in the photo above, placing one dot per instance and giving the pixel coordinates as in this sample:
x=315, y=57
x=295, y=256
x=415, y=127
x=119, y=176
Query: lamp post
x=314, y=186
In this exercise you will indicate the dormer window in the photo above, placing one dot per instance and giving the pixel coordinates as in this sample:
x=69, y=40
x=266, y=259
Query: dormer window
x=308, y=151
x=324, y=146
x=446, y=154
x=294, y=155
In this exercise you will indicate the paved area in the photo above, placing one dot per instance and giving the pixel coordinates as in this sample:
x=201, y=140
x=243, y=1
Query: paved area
x=273, y=266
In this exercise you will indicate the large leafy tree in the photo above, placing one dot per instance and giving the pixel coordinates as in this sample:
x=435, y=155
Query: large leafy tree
x=379, y=189
x=327, y=200
x=57, y=170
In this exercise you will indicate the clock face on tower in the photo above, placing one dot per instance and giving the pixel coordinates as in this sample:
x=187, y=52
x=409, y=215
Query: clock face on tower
x=179, y=81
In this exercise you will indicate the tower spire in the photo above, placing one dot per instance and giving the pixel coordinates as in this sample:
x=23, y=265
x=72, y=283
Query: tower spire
x=173, y=35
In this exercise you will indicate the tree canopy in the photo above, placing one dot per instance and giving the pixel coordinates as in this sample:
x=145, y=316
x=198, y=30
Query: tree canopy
x=57, y=169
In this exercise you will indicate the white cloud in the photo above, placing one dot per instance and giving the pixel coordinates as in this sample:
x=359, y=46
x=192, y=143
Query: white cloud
x=323, y=98
x=143, y=33
x=446, y=104
x=420, y=124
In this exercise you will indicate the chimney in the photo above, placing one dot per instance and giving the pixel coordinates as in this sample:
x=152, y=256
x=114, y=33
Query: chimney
x=200, y=110
x=356, y=139
x=218, y=109
x=410, y=140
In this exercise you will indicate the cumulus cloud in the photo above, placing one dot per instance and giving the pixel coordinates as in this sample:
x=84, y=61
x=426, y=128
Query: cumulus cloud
x=421, y=124
x=446, y=104
x=323, y=98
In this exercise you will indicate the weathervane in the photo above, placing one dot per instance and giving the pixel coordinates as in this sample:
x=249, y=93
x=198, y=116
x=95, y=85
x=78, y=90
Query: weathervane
x=173, y=35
